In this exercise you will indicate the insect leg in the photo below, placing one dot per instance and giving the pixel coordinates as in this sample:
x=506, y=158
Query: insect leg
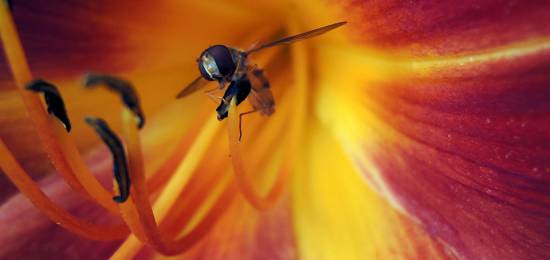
x=211, y=93
x=221, y=84
x=241, y=119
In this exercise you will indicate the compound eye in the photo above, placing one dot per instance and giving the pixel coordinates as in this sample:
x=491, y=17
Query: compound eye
x=208, y=67
x=223, y=59
x=216, y=63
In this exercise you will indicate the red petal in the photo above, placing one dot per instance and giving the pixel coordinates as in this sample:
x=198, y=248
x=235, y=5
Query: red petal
x=63, y=39
x=471, y=154
x=447, y=27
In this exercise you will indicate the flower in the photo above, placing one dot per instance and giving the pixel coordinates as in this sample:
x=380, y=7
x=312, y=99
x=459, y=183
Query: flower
x=441, y=107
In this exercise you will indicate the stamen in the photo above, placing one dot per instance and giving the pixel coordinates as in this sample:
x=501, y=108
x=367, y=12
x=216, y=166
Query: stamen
x=140, y=217
x=245, y=185
x=131, y=217
x=30, y=189
x=123, y=87
x=58, y=146
x=120, y=167
x=171, y=192
x=53, y=99
x=142, y=205
x=131, y=246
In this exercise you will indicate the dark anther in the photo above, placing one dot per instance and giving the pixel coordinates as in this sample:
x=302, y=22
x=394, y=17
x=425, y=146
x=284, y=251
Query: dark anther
x=53, y=100
x=124, y=88
x=120, y=166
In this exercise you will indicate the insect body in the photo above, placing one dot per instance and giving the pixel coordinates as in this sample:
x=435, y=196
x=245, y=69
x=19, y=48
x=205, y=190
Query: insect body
x=230, y=65
x=238, y=88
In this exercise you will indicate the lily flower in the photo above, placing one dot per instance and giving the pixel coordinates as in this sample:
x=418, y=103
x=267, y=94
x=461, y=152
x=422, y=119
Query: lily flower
x=419, y=130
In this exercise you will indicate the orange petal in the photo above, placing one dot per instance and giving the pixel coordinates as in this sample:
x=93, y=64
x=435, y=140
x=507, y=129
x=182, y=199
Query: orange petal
x=462, y=145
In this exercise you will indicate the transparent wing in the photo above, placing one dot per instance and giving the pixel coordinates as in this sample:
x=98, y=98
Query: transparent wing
x=262, y=100
x=298, y=37
x=197, y=84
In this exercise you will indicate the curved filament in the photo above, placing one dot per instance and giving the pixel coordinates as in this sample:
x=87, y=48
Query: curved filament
x=245, y=184
x=140, y=195
x=60, y=149
x=30, y=189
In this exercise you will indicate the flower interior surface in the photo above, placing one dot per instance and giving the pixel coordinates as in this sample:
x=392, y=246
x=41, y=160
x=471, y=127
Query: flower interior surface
x=414, y=131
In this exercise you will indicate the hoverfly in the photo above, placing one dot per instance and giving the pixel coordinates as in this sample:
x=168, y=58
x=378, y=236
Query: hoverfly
x=230, y=65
